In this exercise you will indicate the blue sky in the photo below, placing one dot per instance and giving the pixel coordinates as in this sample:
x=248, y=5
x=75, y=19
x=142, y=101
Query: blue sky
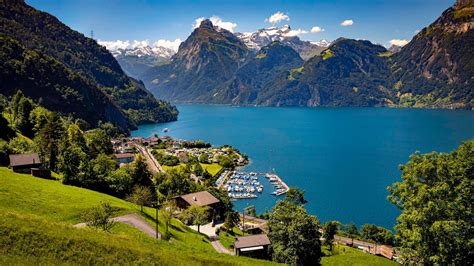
x=379, y=21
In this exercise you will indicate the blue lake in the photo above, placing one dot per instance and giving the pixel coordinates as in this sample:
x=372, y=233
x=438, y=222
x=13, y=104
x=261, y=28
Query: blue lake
x=343, y=158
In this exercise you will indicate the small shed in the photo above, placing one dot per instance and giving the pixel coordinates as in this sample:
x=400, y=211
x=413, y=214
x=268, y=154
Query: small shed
x=124, y=157
x=23, y=163
x=202, y=198
x=255, y=246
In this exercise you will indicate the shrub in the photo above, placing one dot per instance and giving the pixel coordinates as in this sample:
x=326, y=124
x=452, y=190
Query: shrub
x=99, y=217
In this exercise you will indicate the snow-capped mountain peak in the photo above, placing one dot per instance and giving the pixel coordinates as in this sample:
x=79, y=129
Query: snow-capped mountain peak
x=260, y=38
x=138, y=48
x=322, y=43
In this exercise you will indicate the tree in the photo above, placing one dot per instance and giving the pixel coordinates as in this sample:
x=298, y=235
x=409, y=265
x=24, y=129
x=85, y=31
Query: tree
x=295, y=195
x=22, y=118
x=48, y=139
x=5, y=131
x=39, y=118
x=294, y=234
x=435, y=199
x=204, y=158
x=102, y=166
x=141, y=196
x=4, y=152
x=99, y=217
x=174, y=182
x=231, y=220
x=120, y=181
x=225, y=162
x=15, y=103
x=377, y=234
x=167, y=212
x=98, y=142
x=75, y=136
x=70, y=159
x=140, y=173
x=351, y=230
x=329, y=231
x=196, y=215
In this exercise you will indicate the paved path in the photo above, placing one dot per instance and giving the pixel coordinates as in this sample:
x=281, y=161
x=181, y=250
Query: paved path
x=132, y=220
x=207, y=229
x=220, y=248
x=210, y=231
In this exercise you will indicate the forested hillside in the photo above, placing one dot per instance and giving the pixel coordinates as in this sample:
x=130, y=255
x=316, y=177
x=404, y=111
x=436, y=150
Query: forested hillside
x=81, y=58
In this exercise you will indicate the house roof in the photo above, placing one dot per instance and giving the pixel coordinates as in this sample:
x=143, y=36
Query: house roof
x=124, y=155
x=202, y=198
x=24, y=159
x=251, y=241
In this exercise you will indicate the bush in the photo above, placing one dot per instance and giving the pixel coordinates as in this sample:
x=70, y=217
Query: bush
x=99, y=217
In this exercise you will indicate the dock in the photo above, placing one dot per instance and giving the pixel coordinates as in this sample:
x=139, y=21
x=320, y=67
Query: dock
x=281, y=186
x=244, y=185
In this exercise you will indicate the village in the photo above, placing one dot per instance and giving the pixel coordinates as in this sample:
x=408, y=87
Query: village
x=251, y=238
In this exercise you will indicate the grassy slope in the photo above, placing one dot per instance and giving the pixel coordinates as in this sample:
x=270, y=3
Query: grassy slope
x=227, y=239
x=351, y=256
x=36, y=215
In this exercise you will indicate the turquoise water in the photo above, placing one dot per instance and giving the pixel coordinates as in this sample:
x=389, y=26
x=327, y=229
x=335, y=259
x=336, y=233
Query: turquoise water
x=343, y=158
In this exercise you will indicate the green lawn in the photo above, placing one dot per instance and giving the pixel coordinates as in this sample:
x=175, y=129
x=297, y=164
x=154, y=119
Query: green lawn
x=212, y=168
x=227, y=239
x=351, y=256
x=36, y=216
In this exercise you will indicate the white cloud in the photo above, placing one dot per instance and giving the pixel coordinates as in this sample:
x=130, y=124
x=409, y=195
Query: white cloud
x=115, y=45
x=174, y=45
x=317, y=29
x=138, y=44
x=277, y=17
x=347, y=22
x=293, y=33
x=217, y=21
x=399, y=42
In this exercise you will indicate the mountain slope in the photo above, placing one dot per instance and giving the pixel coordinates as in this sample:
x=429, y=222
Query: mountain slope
x=64, y=91
x=257, y=76
x=209, y=57
x=348, y=73
x=36, y=30
x=437, y=67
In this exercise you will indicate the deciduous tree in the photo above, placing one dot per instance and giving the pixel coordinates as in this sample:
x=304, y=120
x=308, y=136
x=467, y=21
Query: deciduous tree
x=329, y=231
x=294, y=234
x=435, y=197
x=141, y=196
x=196, y=215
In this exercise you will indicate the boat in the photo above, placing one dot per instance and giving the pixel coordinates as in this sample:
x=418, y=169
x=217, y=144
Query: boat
x=165, y=129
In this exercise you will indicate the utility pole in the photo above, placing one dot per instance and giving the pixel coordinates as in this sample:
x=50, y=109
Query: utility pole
x=92, y=34
x=156, y=218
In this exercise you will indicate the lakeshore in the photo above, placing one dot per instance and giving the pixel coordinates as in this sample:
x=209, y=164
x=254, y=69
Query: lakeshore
x=325, y=151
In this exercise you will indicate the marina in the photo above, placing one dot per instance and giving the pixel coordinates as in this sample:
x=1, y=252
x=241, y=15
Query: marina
x=247, y=185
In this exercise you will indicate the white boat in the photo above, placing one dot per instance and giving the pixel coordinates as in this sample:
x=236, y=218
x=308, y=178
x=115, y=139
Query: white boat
x=166, y=129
